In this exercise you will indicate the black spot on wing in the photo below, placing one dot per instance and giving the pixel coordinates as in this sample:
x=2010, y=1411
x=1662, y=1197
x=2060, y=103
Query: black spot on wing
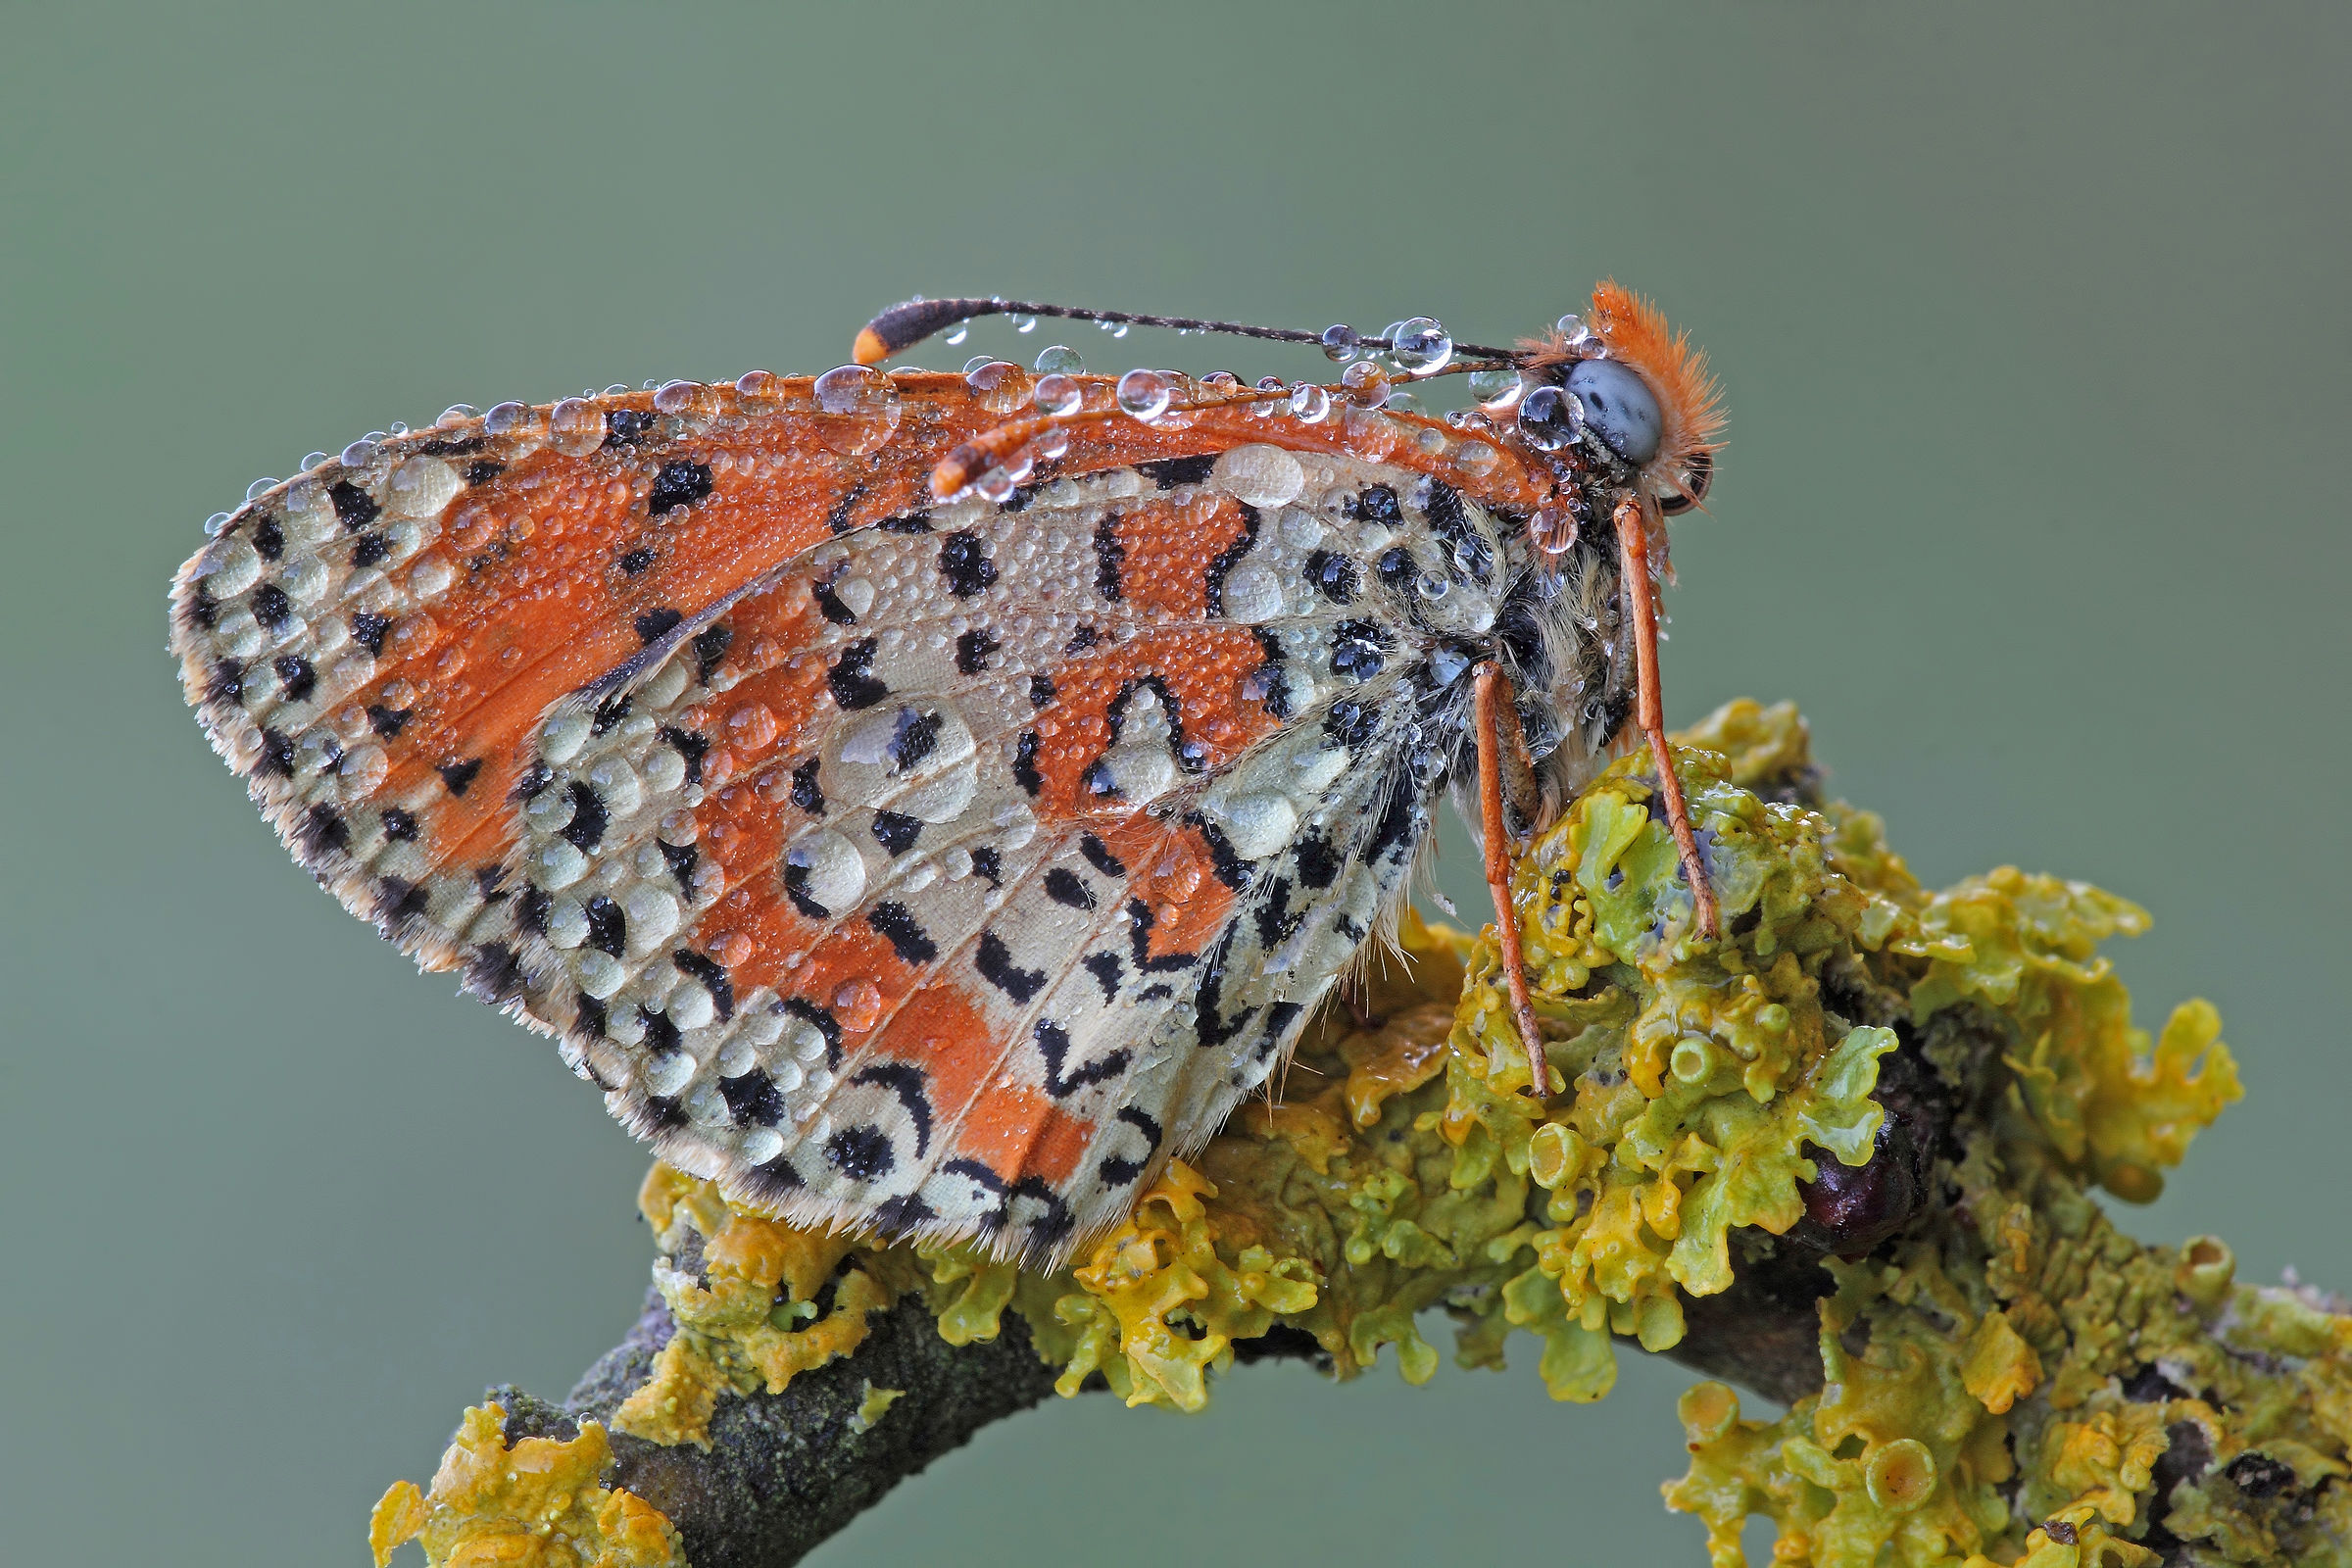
x=1024, y=763
x=628, y=428
x=965, y=565
x=609, y=712
x=753, y=1100
x=589, y=818
x=896, y=924
x=896, y=831
x=656, y=624
x=711, y=976
x=270, y=606
x=1318, y=863
x=295, y=674
x=681, y=859
x=354, y=507
x=994, y=960
x=852, y=677
x=637, y=560
x=863, y=1152
x=370, y=548
x=1224, y=560
x=710, y=648
x=1111, y=557
x=987, y=866
x=387, y=721
x=1169, y=472
x=400, y=825
x=1064, y=888
x=1040, y=691
x=1117, y=1171
x=459, y=776
x=907, y=1082
x=679, y=483
x=1334, y=576
x=1098, y=854
x=691, y=744
x=805, y=792
x=323, y=830
x=269, y=538
x=607, y=927
x=368, y=630
x=974, y=649
x=1107, y=972
x=1054, y=1044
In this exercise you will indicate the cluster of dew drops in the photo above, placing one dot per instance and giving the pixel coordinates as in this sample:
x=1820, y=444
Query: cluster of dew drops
x=1547, y=416
x=861, y=404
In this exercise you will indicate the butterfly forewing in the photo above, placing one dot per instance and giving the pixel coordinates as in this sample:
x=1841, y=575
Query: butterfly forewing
x=937, y=869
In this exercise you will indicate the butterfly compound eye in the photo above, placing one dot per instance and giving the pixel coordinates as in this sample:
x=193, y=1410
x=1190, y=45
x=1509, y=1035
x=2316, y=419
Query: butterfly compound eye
x=1619, y=406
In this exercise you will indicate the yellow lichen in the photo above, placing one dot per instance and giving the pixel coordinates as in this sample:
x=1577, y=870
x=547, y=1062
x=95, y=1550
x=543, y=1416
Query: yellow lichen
x=1973, y=1412
x=538, y=1503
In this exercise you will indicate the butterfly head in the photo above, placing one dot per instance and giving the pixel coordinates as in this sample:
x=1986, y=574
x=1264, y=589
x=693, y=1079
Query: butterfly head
x=1627, y=383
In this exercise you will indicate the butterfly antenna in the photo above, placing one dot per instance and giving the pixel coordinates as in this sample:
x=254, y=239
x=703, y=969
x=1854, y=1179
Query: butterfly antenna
x=903, y=326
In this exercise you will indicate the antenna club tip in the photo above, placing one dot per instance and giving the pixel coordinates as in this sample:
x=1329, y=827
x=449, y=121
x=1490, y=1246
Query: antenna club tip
x=869, y=349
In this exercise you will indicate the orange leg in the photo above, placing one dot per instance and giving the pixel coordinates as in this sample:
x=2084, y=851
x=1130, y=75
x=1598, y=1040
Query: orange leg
x=1493, y=693
x=1649, y=710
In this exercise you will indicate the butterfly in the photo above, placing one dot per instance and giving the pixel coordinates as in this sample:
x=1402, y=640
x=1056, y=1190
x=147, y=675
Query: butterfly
x=926, y=803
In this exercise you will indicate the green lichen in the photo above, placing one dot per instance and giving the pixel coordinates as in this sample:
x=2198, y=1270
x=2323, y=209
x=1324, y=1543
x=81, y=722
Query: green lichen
x=2010, y=1380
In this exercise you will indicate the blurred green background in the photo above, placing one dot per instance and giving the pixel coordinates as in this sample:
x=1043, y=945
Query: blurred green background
x=2033, y=326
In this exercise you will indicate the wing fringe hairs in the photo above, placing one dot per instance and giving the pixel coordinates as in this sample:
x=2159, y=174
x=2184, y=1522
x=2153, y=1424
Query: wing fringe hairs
x=2035, y=1387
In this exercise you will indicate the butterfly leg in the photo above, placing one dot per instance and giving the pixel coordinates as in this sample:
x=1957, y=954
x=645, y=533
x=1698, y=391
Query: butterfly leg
x=1649, y=710
x=1492, y=702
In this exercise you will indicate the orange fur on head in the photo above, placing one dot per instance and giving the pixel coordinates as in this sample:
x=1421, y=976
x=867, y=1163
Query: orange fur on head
x=1637, y=333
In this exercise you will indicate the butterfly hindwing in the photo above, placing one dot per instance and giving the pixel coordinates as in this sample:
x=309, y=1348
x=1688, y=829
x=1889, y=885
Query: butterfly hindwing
x=937, y=869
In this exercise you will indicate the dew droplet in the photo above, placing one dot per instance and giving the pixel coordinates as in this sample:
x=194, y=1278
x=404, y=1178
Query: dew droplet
x=574, y=427
x=1492, y=386
x=1367, y=383
x=1554, y=531
x=400, y=427
x=1269, y=407
x=1311, y=403
x=677, y=397
x=1059, y=359
x=504, y=419
x=1059, y=395
x=358, y=455
x=1024, y=323
x=311, y=460
x=1570, y=326
x=1143, y=395
x=1551, y=418
x=956, y=333
x=456, y=414
x=860, y=408
x=1401, y=401
x=1475, y=459
x=1341, y=342
x=998, y=385
x=1420, y=346
x=214, y=523
x=996, y=487
x=757, y=384
x=260, y=488
x=1051, y=443
x=857, y=1005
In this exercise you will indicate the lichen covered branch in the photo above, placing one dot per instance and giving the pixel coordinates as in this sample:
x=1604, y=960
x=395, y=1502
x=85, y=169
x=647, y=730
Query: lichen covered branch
x=1842, y=1157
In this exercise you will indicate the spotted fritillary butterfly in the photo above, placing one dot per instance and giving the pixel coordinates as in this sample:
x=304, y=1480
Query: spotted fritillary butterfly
x=926, y=803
